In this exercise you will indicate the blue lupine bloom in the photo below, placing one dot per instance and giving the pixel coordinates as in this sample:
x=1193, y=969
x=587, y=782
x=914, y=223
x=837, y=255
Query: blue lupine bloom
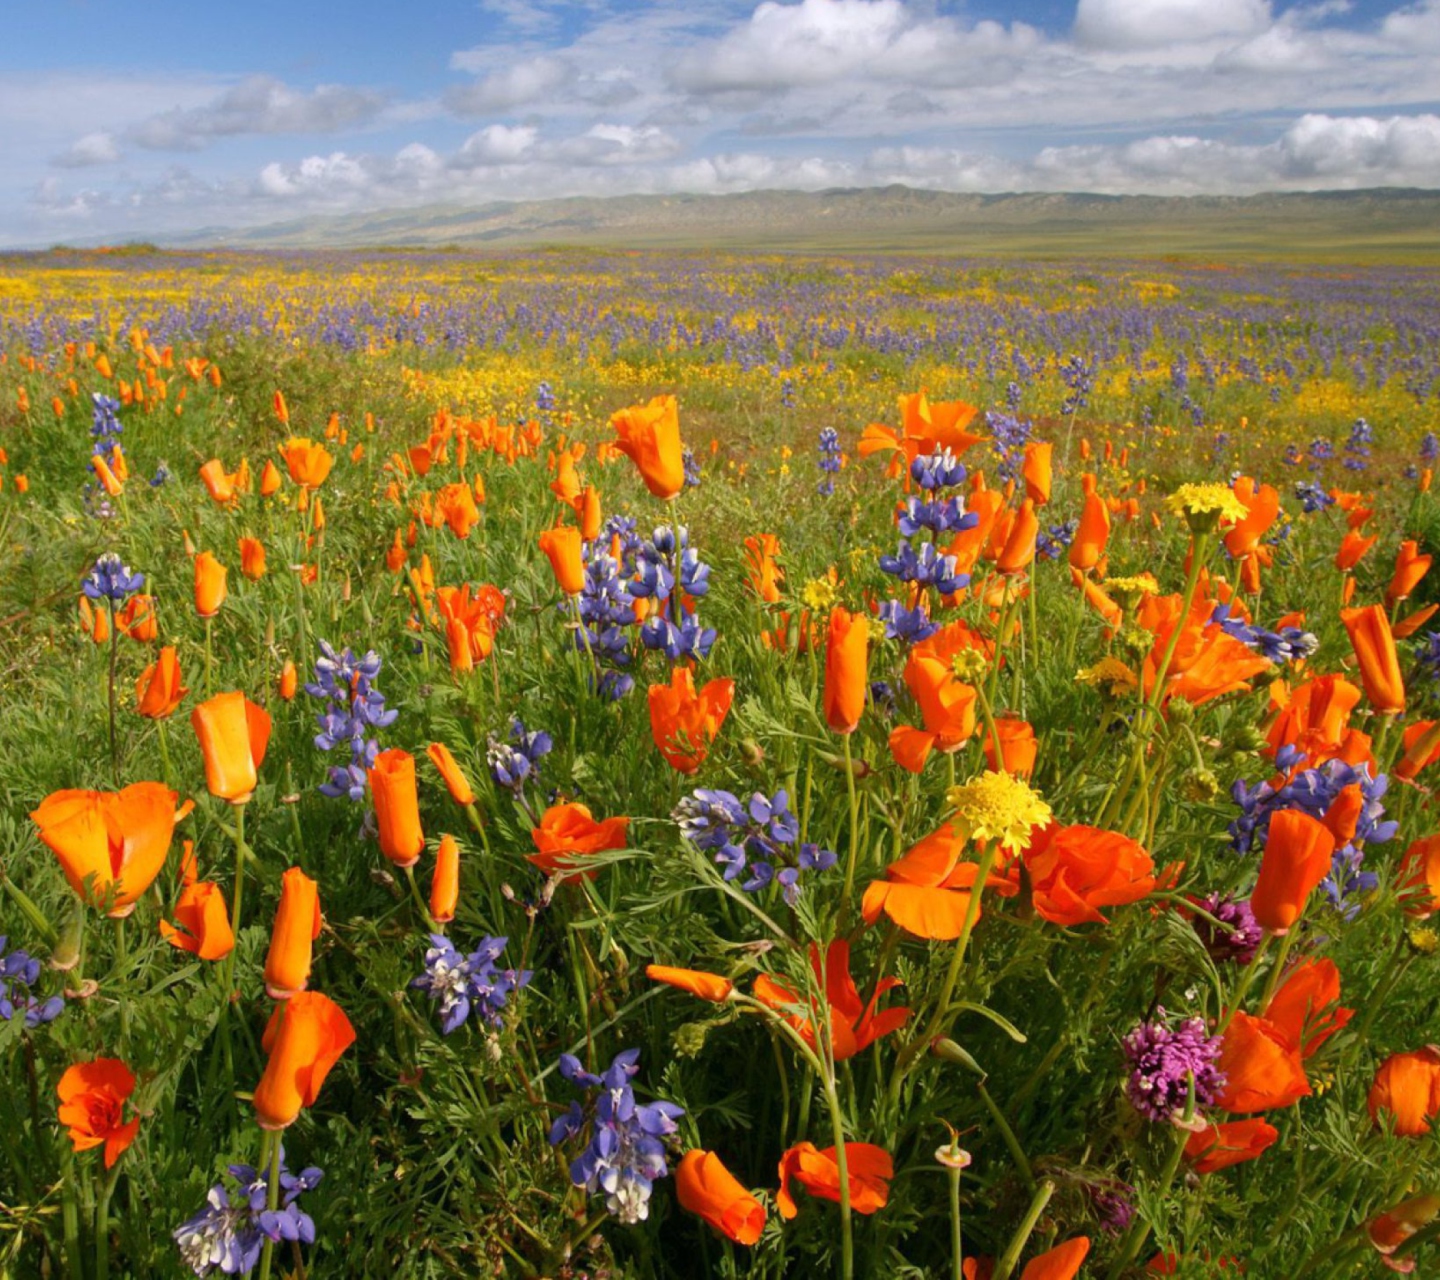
x=461, y=983
x=1357, y=447
x=353, y=707
x=1321, y=452
x=228, y=1234
x=829, y=447
x=1427, y=654
x=19, y=972
x=691, y=465
x=1292, y=456
x=1289, y=644
x=941, y=470
x=1312, y=496
x=1008, y=435
x=926, y=568
x=908, y=625
x=882, y=697
x=760, y=837
x=1051, y=543
x=668, y=571
x=625, y=1153
x=512, y=763
x=544, y=398
x=110, y=579
x=687, y=640
x=1429, y=447
x=944, y=516
x=1077, y=374
x=105, y=426
x=161, y=476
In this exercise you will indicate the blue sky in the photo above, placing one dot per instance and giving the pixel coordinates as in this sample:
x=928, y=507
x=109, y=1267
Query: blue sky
x=120, y=120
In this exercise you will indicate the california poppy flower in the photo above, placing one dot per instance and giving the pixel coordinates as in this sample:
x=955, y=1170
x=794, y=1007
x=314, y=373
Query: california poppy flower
x=762, y=574
x=588, y=513
x=202, y=922
x=705, y=1187
x=684, y=721
x=308, y=463
x=1407, y=1090
x=209, y=585
x=289, y=681
x=1313, y=717
x=649, y=435
x=158, y=690
x=445, y=881
x=1088, y=545
x=1019, y=549
x=854, y=1025
x=561, y=546
x=252, y=558
x=1353, y=547
x=869, y=1169
x=270, y=479
x=927, y=892
x=92, y=1106
x=234, y=734
x=1036, y=471
x=925, y=427
x=218, y=483
x=455, y=780
x=1410, y=567
x=1417, y=879
x=567, y=832
x=1076, y=869
x=1018, y=747
x=304, y=1039
x=120, y=838
x=292, y=937
x=708, y=986
x=1218, y=1146
x=566, y=486
x=1261, y=1065
x=1395, y=1226
x=397, y=806
x=1297, y=857
x=1063, y=1262
x=109, y=481
x=845, y=669
x=1262, y=506
x=456, y=504
x=1374, y=646
x=947, y=709
x=1306, y=1006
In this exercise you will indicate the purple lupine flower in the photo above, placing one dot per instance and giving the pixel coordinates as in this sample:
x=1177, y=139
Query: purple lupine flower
x=1289, y=644
x=512, y=763
x=460, y=983
x=110, y=579
x=1312, y=496
x=1051, y=543
x=925, y=568
x=105, y=426
x=829, y=463
x=353, y=707
x=624, y=1155
x=19, y=972
x=1242, y=939
x=228, y=1234
x=1427, y=654
x=907, y=625
x=1163, y=1062
x=942, y=470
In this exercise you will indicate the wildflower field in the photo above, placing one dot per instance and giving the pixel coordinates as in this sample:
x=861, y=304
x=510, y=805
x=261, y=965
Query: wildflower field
x=630, y=765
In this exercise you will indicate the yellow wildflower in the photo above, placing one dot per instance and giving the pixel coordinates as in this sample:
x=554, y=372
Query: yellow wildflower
x=997, y=806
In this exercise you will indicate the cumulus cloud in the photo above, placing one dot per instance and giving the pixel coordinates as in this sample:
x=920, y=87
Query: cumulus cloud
x=495, y=144
x=259, y=105
x=1148, y=24
x=92, y=149
x=509, y=87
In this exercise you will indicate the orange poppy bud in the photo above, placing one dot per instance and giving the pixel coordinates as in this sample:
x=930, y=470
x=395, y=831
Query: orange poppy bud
x=562, y=546
x=457, y=642
x=1374, y=645
x=1426, y=477
x=289, y=681
x=1410, y=567
x=1343, y=816
x=1085, y=450
x=455, y=780
x=869, y=1170
x=292, y=937
x=202, y=922
x=1262, y=1067
x=158, y=690
x=92, y=1105
x=708, y=986
x=317, y=514
x=706, y=1188
x=1297, y=857
x=445, y=883
x=270, y=479
x=763, y=575
x=233, y=734
x=1218, y=1146
x=102, y=366
x=684, y=722
x=218, y=484
x=1407, y=1090
x=108, y=479
x=305, y=1037
x=282, y=410
x=1353, y=547
x=846, y=672
x=397, y=807
x=1017, y=747
x=1347, y=590
x=22, y=484
x=1417, y=881
x=1402, y=630
x=120, y=838
x=1395, y=1226
x=209, y=585
x=587, y=510
x=213, y=373
x=1093, y=533
x=252, y=558
x=307, y=463
x=649, y=435
x=1019, y=549
x=395, y=557
x=1036, y=471
x=567, y=832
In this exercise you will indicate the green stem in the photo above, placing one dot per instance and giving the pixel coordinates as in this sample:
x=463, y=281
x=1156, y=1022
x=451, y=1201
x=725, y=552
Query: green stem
x=1012, y=1143
x=842, y=1164
x=1013, y=1250
x=102, y=1224
x=853, y=856
x=424, y=910
x=270, y=1146
x=122, y=965
x=114, y=659
x=237, y=901
x=70, y=1215
x=957, y=1243
x=1247, y=979
x=1140, y=1229
x=209, y=657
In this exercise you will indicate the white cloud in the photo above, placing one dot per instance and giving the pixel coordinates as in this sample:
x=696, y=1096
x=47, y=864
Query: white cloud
x=495, y=144
x=92, y=149
x=1149, y=24
x=509, y=87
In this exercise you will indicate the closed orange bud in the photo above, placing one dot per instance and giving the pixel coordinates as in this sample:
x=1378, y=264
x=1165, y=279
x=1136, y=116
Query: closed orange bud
x=282, y=410
x=562, y=546
x=1036, y=471
x=292, y=937
x=395, y=557
x=109, y=481
x=1017, y=747
x=649, y=435
x=305, y=1038
x=22, y=484
x=158, y=690
x=445, y=883
x=218, y=483
x=1297, y=857
x=252, y=558
x=289, y=681
x=317, y=514
x=1019, y=550
x=397, y=807
x=846, y=675
x=270, y=479
x=202, y=922
x=1092, y=535
x=233, y=734
x=209, y=585
x=455, y=780
x=706, y=1188
x=22, y=400
x=1426, y=477
x=587, y=510
x=102, y=366
x=1410, y=567
x=1374, y=645
x=708, y=986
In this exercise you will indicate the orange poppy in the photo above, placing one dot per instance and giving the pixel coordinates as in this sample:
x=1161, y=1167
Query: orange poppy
x=588, y=513
x=109, y=481
x=397, y=807
x=1353, y=547
x=684, y=721
x=649, y=435
x=925, y=427
x=218, y=484
x=705, y=1187
x=1218, y=1146
x=252, y=558
x=1410, y=567
x=869, y=1169
x=1018, y=747
x=1421, y=743
x=117, y=841
x=455, y=780
x=289, y=681
x=1407, y=1090
x=1073, y=870
x=1417, y=879
x=1037, y=471
x=270, y=479
x=1019, y=549
x=1313, y=718
x=947, y=708
x=1262, y=506
x=292, y=937
x=845, y=669
x=561, y=546
x=1395, y=1226
x=1262, y=1067
x=1306, y=1007
x=202, y=922
x=137, y=619
x=1297, y=857
x=234, y=734
x=92, y=1106
x=762, y=574
x=456, y=504
x=567, y=832
x=308, y=463
x=927, y=891
x=158, y=690
x=1060, y=1263
x=1093, y=533
x=304, y=1039
x=209, y=585
x=708, y=986
x=1374, y=646
x=445, y=882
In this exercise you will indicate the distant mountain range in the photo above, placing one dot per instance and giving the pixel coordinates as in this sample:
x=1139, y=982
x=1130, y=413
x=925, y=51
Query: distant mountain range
x=1386, y=224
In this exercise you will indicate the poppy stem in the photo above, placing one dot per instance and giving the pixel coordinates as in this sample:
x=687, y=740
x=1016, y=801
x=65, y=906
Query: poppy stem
x=102, y=1223
x=238, y=899
x=1012, y=1143
x=270, y=1152
x=854, y=853
x=1011, y=1256
x=1277, y=970
x=842, y=1166
x=425, y=915
x=122, y=963
x=1139, y=1231
x=957, y=1242
x=1247, y=978
x=209, y=659
x=114, y=658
